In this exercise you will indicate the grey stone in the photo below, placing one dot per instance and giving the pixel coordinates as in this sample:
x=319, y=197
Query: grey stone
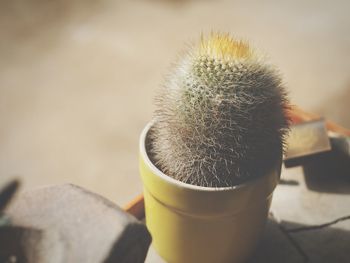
x=89, y=227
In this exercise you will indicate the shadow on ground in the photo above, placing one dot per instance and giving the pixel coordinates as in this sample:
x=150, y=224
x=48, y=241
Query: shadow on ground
x=330, y=172
x=324, y=245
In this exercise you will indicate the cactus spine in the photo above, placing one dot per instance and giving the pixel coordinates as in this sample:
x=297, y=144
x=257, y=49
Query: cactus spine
x=220, y=115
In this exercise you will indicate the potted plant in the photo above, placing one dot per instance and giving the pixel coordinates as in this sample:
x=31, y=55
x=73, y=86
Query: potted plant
x=211, y=157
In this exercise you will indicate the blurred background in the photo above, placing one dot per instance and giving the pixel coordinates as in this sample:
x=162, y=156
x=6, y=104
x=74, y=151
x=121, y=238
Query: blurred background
x=77, y=77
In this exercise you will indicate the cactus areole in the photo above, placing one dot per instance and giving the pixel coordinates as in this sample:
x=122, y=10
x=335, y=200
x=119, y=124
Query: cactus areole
x=220, y=117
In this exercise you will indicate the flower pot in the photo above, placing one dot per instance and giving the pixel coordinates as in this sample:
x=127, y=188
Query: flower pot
x=190, y=223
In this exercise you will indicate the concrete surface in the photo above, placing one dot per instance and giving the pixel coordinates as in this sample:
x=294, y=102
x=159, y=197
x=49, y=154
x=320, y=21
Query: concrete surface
x=77, y=80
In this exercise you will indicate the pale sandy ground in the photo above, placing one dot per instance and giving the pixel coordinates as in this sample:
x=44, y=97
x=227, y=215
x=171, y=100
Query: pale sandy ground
x=77, y=77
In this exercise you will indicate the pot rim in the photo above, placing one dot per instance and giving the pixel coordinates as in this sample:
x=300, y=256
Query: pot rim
x=156, y=171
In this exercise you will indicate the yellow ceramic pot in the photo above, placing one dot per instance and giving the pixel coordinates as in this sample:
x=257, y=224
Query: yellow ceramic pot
x=202, y=224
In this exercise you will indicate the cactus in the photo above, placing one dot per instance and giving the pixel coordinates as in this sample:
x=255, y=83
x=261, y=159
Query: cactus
x=220, y=117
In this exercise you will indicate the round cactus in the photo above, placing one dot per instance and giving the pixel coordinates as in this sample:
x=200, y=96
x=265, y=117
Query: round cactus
x=220, y=115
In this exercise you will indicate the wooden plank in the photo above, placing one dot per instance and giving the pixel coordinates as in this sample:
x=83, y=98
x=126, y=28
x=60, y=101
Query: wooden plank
x=136, y=207
x=298, y=115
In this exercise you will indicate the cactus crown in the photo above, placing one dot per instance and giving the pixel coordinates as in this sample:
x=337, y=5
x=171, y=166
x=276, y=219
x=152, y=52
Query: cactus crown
x=224, y=47
x=220, y=117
